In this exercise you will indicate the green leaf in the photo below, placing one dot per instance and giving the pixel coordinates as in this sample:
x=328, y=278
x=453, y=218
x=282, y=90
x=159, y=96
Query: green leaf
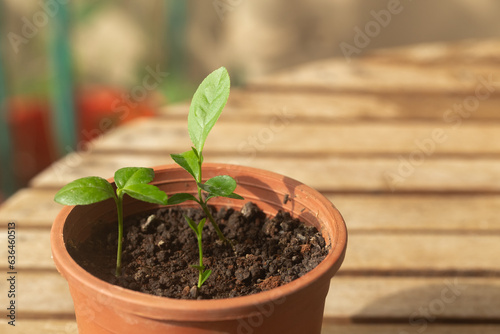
x=147, y=193
x=181, y=198
x=192, y=224
x=189, y=161
x=235, y=196
x=206, y=106
x=200, y=226
x=133, y=175
x=195, y=152
x=85, y=191
x=221, y=185
x=199, y=268
x=198, y=154
x=204, y=276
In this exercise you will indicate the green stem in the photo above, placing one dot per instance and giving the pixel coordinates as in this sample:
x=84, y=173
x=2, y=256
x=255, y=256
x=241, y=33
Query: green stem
x=205, y=207
x=214, y=224
x=200, y=248
x=119, y=206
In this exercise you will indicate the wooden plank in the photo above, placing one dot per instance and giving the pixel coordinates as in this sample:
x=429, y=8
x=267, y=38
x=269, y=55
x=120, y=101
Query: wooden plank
x=338, y=107
x=284, y=135
x=41, y=294
x=32, y=249
x=45, y=293
x=328, y=173
x=421, y=253
x=49, y=326
x=45, y=326
x=413, y=213
x=406, y=298
x=336, y=75
x=30, y=208
x=362, y=212
x=439, y=54
x=88, y=163
x=312, y=105
x=407, y=329
x=381, y=253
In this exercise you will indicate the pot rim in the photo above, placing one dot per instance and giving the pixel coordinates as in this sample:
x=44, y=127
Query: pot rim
x=182, y=310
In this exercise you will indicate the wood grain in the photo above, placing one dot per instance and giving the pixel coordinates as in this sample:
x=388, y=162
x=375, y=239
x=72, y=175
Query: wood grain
x=421, y=253
x=32, y=249
x=284, y=135
x=335, y=75
x=424, y=232
x=362, y=212
x=69, y=327
x=352, y=298
x=329, y=173
x=40, y=294
x=44, y=326
x=407, y=329
x=419, y=213
x=441, y=54
x=30, y=208
x=374, y=253
x=310, y=106
x=408, y=298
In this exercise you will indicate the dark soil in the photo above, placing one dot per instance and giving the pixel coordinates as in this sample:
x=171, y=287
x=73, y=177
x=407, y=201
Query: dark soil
x=159, y=248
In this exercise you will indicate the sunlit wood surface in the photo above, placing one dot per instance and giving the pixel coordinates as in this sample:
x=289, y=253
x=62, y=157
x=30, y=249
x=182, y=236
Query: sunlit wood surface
x=405, y=142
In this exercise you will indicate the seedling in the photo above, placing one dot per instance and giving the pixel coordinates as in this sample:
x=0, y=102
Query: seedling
x=206, y=107
x=129, y=180
x=198, y=229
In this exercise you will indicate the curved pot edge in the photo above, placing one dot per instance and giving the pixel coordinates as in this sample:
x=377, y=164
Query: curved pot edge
x=220, y=308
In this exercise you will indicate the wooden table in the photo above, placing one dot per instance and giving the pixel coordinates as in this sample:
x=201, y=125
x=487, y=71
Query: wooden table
x=405, y=142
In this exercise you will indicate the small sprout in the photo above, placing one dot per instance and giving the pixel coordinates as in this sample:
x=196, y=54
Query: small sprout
x=198, y=230
x=129, y=180
x=206, y=107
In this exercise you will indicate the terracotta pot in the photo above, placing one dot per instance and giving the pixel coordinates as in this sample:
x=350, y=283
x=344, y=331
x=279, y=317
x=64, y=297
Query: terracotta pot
x=100, y=109
x=296, y=307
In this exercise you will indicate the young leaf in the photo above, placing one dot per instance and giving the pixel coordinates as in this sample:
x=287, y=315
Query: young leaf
x=192, y=224
x=196, y=152
x=85, y=191
x=133, y=175
x=204, y=276
x=189, y=161
x=147, y=193
x=235, y=196
x=181, y=198
x=221, y=185
x=199, y=268
x=206, y=106
x=200, y=226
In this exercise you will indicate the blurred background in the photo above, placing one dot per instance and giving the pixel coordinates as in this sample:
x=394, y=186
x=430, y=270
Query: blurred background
x=72, y=70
